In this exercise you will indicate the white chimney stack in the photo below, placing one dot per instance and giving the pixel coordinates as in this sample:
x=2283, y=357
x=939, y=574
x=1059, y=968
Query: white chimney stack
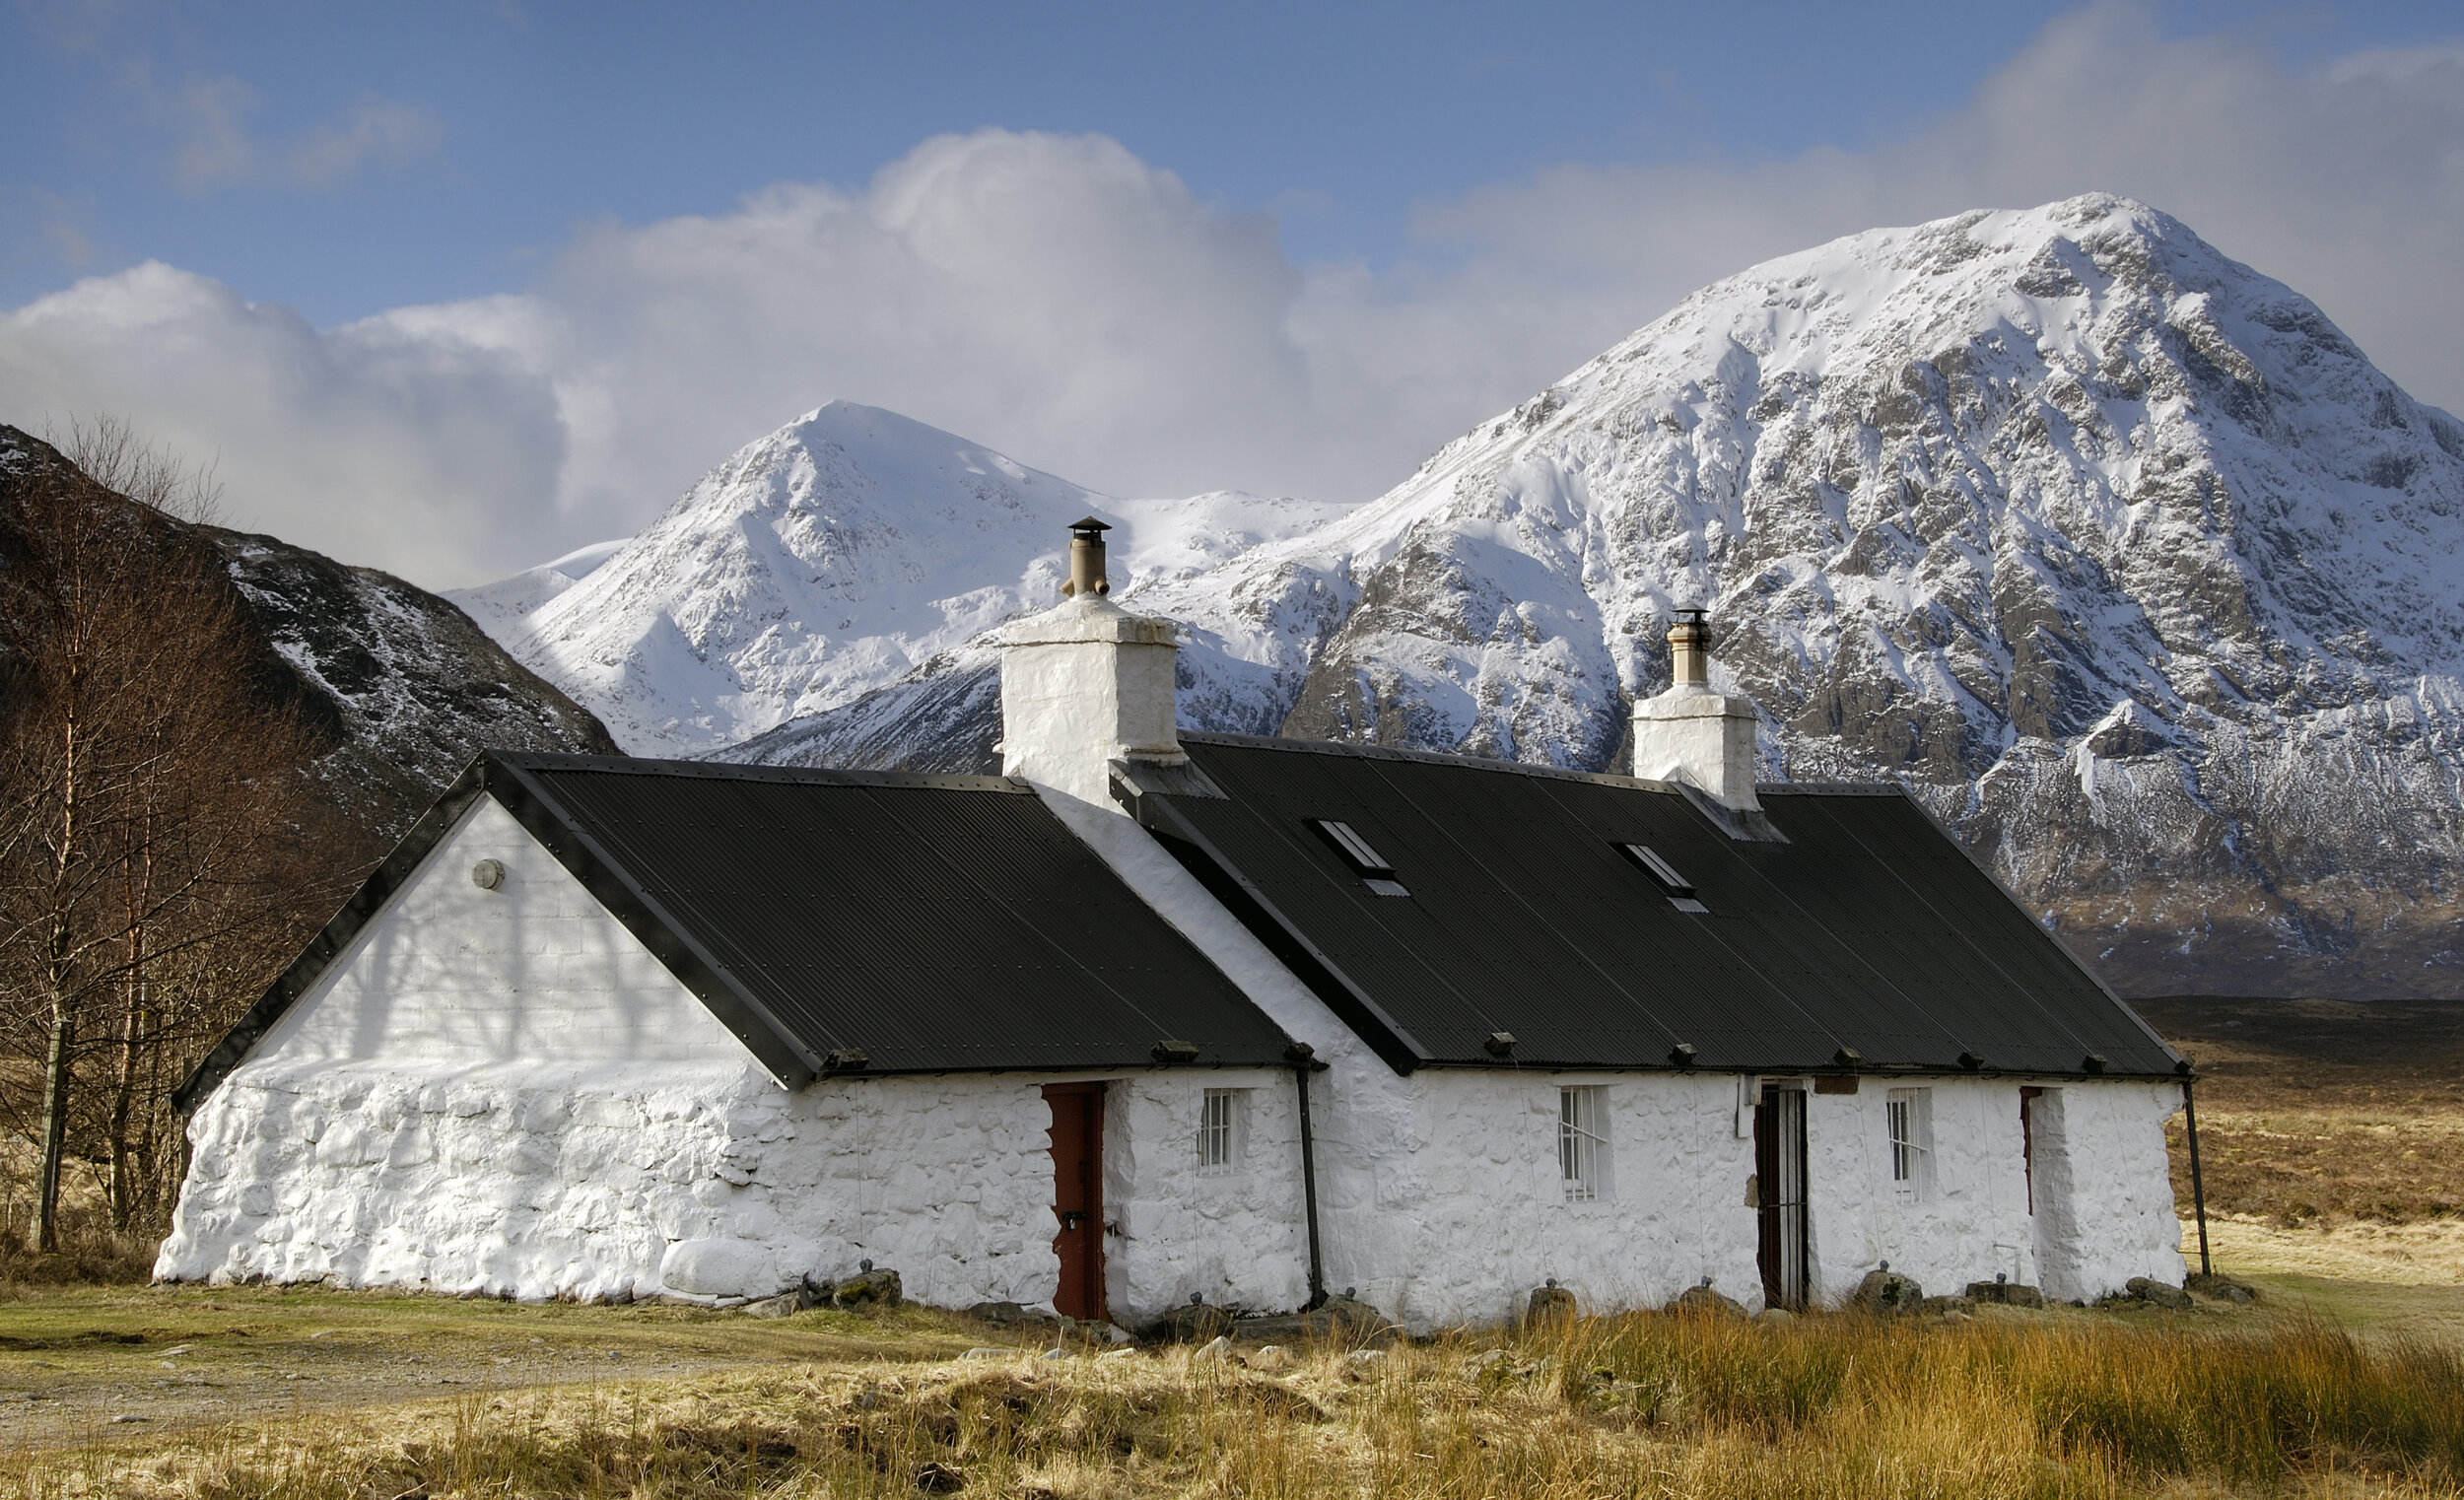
x=1692, y=735
x=1087, y=683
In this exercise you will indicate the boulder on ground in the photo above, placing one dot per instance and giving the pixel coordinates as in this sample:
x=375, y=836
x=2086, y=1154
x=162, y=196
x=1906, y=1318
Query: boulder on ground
x=1944, y=1305
x=870, y=1287
x=1012, y=1315
x=1340, y=1318
x=1272, y=1359
x=1886, y=1291
x=2006, y=1293
x=784, y=1305
x=1549, y=1302
x=1190, y=1323
x=1215, y=1351
x=2161, y=1294
x=2223, y=1287
x=1703, y=1299
x=719, y=1266
x=1775, y=1317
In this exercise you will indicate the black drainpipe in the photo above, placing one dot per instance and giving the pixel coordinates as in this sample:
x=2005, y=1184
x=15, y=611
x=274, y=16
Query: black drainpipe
x=1303, y=1062
x=2197, y=1189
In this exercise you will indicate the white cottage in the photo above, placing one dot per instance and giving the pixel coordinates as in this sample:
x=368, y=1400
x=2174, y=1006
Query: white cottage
x=1156, y=1015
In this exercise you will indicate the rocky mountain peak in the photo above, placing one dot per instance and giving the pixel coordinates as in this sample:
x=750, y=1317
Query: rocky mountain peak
x=820, y=562
x=2117, y=552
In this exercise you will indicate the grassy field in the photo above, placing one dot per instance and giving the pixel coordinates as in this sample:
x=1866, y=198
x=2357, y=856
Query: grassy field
x=2217, y=1400
x=2332, y=1170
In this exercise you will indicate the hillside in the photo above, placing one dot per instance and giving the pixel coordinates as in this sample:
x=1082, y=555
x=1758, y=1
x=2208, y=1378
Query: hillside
x=400, y=687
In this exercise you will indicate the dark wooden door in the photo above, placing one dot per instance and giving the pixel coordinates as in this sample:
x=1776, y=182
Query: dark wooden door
x=2028, y=1140
x=1780, y=1172
x=1078, y=1196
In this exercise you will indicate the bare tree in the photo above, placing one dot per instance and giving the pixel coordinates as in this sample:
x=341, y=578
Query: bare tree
x=147, y=794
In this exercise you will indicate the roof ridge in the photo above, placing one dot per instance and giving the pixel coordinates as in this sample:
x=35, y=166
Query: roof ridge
x=1430, y=757
x=1521, y=768
x=737, y=771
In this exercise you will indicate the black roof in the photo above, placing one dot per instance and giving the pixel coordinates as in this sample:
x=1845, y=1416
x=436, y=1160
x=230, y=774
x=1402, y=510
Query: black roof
x=1853, y=933
x=847, y=921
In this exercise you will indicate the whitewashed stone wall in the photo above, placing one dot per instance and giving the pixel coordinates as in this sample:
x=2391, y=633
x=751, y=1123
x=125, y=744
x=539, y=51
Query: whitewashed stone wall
x=1479, y=1215
x=536, y=1181
x=2104, y=1189
x=503, y=1093
x=1487, y=1197
x=533, y=970
x=1238, y=1237
x=2104, y=1197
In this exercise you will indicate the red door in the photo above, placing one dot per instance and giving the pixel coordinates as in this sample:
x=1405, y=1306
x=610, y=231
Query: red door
x=1078, y=1195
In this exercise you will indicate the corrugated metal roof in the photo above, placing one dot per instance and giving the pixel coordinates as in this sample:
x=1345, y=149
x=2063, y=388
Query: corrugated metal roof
x=1865, y=931
x=931, y=924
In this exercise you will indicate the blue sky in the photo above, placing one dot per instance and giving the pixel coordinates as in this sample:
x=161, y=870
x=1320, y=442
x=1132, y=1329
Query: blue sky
x=520, y=121
x=523, y=270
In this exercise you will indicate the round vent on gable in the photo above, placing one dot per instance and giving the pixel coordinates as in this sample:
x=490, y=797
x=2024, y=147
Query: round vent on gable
x=487, y=874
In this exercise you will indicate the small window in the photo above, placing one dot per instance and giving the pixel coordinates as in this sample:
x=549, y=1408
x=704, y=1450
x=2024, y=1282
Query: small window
x=1374, y=871
x=1679, y=889
x=1223, y=1121
x=1583, y=1144
x=1353, y=848
x=1910, y=1113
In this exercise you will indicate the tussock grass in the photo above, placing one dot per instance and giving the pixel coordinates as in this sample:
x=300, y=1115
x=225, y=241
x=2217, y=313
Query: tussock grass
x=1638, y=1406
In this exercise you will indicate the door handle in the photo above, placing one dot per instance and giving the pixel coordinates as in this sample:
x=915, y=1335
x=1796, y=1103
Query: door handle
x=1072, y=1218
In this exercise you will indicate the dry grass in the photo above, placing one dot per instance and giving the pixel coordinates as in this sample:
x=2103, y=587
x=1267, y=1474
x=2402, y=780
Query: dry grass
x=2323, y=1111
x=2061, y=1406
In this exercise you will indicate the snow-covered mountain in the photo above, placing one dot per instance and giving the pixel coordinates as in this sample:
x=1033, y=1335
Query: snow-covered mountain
x=831, y=558
x=2117, y=551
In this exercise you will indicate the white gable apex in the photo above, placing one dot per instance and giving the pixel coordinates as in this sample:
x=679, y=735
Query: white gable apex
x=532, y=971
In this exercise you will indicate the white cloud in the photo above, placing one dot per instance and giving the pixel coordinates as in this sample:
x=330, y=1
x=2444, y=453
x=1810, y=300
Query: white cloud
x=217, y=151
x=425, y=455
x=1060, y=299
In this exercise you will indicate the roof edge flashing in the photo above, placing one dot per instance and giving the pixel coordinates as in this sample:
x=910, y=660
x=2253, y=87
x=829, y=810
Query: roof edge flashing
x=1744, y=825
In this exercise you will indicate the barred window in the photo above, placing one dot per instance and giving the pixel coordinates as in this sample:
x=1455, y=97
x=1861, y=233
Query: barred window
x=1219, y=1127
x=1910, y=1113
x=1583, y=1144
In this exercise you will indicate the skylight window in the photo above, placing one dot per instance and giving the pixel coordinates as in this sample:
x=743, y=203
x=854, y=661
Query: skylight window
x=1374, y=871
x=1679, y=889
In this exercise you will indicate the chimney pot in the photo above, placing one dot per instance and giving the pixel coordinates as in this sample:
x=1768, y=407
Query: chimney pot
x=1086, y=558
x=1690, y=647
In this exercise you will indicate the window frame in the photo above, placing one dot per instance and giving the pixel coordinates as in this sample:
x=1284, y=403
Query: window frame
x=1679, y=890
x=1230, y=1132
x=1908, y=1131
x=1583, y=1144
x=1355, y=850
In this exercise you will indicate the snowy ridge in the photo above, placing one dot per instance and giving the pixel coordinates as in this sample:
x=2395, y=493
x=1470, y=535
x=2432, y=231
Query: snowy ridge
x=2115, y=551
x=824, y=561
